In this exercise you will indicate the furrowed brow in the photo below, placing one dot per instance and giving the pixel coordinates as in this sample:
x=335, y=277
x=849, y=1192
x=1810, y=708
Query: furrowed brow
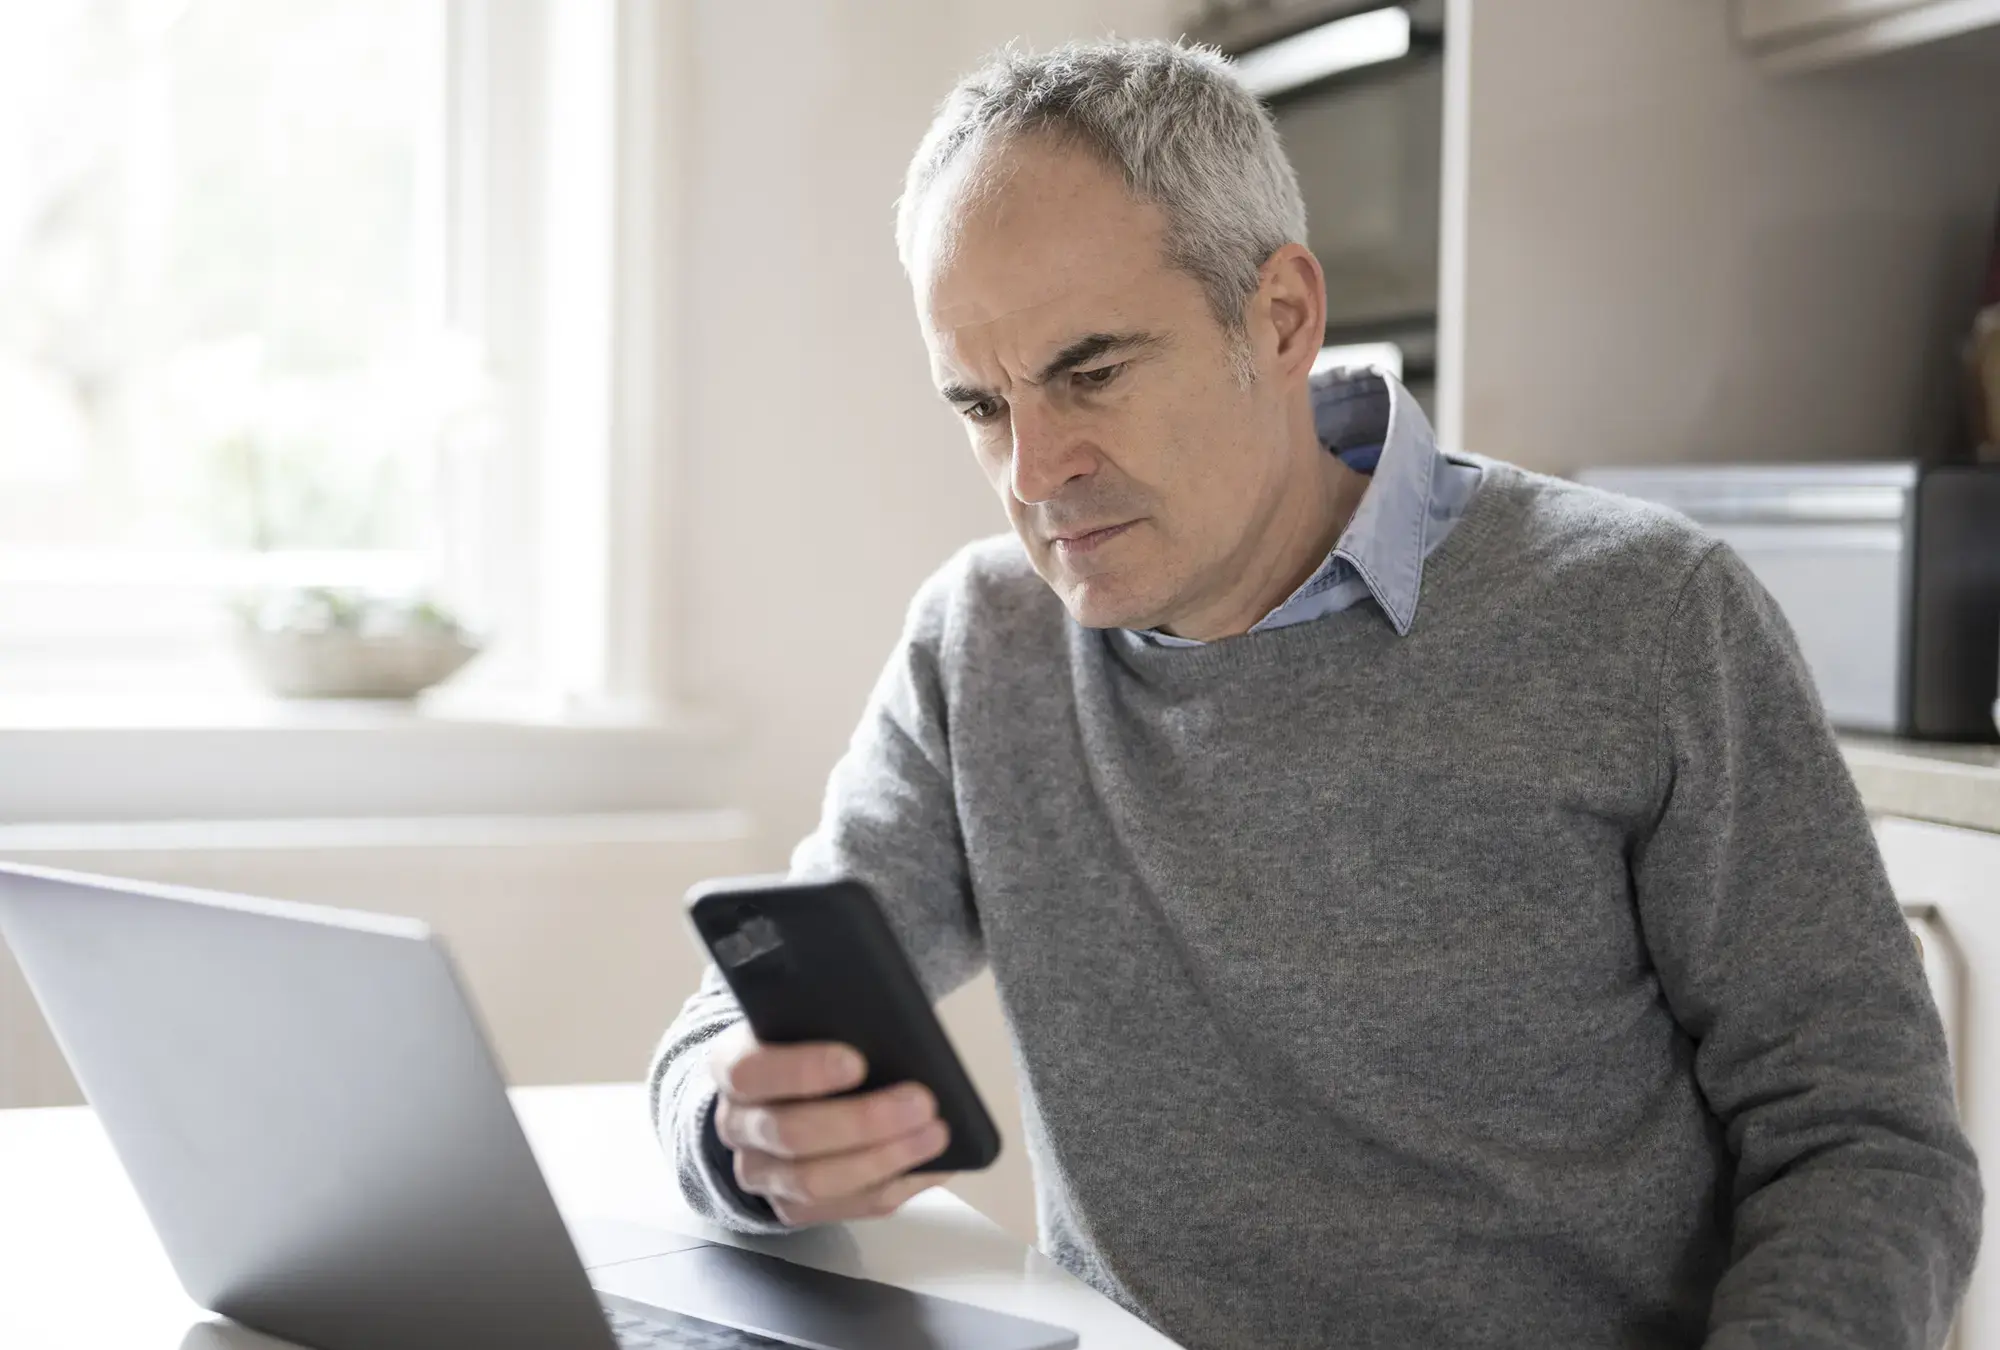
x=1090, y=348
x=958, y=394
x=1081, y=352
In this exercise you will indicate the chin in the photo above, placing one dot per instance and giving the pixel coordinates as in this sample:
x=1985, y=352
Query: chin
x=1101, y=602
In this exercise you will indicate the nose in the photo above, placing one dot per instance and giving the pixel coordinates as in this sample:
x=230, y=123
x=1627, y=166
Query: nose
x=1047, y=455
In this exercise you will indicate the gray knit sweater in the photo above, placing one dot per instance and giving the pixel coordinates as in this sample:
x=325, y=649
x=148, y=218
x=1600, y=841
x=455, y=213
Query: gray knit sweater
x=1528, y=980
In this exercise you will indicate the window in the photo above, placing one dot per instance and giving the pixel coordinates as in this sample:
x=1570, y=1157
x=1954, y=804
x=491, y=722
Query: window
x=295, y=292
x=223, y=360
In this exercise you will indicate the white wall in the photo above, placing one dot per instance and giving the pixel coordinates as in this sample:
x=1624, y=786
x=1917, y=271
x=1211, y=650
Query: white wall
x=1671, y=255
x=821, y=478
x=567, y=930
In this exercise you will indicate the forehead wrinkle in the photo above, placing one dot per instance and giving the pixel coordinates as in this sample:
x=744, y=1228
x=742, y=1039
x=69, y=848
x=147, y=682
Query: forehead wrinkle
x=1101, y=309
x=968, y=327
x=1055, y=345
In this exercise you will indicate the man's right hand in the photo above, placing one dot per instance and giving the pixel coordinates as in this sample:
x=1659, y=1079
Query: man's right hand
x=817, y=1157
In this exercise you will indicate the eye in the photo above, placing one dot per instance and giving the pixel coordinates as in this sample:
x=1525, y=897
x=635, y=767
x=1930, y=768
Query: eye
x=1098, y=378
x=983, y=411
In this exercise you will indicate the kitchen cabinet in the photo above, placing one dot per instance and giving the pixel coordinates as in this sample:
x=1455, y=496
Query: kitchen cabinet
x=1811, y=34
x=1948, y=880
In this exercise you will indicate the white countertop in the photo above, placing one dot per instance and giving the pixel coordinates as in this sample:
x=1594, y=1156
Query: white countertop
x=1944, y=784
x=80, y=1268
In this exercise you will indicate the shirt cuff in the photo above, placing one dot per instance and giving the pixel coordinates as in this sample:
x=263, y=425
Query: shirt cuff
x=721, y=1162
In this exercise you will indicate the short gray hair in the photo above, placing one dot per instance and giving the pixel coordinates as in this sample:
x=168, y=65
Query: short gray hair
x=1173, y=120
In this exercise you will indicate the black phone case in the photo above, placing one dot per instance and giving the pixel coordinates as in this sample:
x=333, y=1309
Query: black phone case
x=837, y=973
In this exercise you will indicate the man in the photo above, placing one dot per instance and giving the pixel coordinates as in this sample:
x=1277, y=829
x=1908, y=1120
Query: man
x=1427, y=901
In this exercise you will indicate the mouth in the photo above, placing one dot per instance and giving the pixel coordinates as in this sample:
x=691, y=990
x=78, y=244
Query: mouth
x=1082, y=543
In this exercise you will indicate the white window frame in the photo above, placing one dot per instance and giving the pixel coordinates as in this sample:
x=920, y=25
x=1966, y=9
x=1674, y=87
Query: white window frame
x=564, y=135
x=555, y=269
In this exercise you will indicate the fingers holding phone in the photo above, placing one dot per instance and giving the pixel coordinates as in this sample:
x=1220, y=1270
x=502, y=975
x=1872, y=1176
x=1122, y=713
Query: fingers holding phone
x=818, y=1156
x=833, y=1087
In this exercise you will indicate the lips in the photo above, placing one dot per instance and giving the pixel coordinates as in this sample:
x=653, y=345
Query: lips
x=1074, y=545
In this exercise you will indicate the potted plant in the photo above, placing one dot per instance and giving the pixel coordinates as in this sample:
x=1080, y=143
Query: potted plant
x=319, y=642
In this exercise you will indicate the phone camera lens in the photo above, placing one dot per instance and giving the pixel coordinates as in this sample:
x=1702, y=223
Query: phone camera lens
x=758, y=936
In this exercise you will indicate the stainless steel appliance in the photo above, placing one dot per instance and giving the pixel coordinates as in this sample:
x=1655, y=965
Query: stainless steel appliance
x=1357, y=92
x=1888, y=572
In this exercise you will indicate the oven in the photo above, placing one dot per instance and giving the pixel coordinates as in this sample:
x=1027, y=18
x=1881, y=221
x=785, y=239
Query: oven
x=1357, y=92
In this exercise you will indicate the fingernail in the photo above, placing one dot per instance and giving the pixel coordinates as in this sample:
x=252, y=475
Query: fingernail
x=931, y=1140
x=847, y=1065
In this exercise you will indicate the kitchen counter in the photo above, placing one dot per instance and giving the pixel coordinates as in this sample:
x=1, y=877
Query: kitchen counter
x=1948, y=784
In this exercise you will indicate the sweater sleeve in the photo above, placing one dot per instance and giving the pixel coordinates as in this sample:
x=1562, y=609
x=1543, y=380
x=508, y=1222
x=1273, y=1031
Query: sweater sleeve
x=890, y=820
x=1781, y=950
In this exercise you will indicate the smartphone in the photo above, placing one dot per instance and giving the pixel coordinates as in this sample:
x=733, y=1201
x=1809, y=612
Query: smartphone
x=817, y=961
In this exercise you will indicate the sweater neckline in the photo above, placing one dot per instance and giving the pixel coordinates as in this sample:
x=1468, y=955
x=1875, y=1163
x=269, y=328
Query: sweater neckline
x=1498, y=490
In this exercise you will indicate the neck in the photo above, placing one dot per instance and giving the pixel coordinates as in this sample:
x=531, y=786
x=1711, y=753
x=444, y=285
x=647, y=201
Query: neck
x=1283, y=549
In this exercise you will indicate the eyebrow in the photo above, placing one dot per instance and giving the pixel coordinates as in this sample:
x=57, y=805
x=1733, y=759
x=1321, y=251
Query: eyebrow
x=1080, y=352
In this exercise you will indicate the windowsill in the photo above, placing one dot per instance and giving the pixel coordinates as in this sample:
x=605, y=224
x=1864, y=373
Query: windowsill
x=647, y=829
x=240, y=711
x=130, y=759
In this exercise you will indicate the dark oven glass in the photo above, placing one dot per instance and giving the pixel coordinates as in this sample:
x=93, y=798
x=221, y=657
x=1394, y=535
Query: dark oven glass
x=1367, y=147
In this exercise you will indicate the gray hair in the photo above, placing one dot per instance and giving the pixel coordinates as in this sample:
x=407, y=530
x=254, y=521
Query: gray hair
x=1173, y=120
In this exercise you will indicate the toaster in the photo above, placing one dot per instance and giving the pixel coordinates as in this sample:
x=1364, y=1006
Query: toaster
x=1888, y=572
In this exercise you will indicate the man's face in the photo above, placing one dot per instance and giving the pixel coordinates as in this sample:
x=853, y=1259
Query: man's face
x=1101, y=395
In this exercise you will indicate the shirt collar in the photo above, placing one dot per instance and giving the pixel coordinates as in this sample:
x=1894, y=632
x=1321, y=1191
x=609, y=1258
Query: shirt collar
x=1384, y=542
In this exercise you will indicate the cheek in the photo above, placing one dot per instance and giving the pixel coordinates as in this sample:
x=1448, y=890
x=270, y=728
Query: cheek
x=991, y=453
x=1186, y=456
x=1209, y=475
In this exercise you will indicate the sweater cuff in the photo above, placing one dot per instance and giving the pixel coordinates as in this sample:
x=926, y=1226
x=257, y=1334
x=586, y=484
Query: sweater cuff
x=720, y=1162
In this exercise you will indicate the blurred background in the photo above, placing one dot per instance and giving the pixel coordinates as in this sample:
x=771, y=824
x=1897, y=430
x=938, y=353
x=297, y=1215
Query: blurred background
x=344, y=343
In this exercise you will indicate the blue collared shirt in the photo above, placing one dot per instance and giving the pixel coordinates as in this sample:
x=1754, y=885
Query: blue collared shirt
x=1415, y=496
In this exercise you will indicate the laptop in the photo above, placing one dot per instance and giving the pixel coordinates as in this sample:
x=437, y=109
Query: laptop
x=310, y=1114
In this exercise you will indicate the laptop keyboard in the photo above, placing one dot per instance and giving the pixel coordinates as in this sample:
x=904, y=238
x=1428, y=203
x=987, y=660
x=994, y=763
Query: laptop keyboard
x=658, y=1329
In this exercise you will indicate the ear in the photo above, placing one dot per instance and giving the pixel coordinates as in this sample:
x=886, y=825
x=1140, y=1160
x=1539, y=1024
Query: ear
x=1291, y=300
